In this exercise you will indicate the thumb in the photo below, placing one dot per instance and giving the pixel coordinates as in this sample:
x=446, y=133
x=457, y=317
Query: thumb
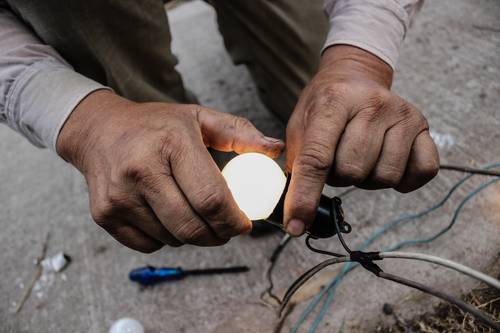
x=226, y=132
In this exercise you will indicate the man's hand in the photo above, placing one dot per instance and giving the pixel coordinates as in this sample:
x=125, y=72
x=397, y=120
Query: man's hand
x=349, y=129
x=150, y=176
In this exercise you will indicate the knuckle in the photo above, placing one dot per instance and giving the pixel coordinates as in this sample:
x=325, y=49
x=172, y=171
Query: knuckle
x=421, y=121
x=303, y=201
x=382, y=96
x=427, y=171
x=171, y=147
x=210, y=202
x=331, y=95
x=388, y=176
x=303, y=205
x=371, y=114
x=376, y=104
x=351, y=173
x=241, y=123
x=102, y=212
x=326, y=99
x=315, y=160
x=135, y=171
x=405, y=109
x=108, y=208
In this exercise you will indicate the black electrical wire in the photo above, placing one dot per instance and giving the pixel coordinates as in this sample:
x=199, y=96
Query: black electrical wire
x=470, y=170
x=269, y=273
x=337, y=230
x=365, y=259
x=315, y=249
x=434, y=292
x=394, y=278
x=306, y=276
x=281, y=246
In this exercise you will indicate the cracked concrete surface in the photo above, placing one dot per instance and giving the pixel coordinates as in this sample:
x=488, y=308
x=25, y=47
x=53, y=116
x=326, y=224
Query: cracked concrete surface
x=449, y=68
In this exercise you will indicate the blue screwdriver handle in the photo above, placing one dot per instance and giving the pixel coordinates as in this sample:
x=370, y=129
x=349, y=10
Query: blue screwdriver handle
x=150, y=275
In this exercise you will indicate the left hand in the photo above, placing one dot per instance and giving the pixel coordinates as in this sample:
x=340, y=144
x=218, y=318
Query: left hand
x=348, y=128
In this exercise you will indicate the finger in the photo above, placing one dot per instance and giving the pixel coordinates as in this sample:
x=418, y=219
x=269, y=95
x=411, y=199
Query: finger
x=314, y=152
x=405, y=123
x=202, y=183
x=174, y=212
x=393, y=158
x=226, y=132
x=108, y=212
x=131, y=236
x=143, y=218
x=423, y=164
x=358, y=150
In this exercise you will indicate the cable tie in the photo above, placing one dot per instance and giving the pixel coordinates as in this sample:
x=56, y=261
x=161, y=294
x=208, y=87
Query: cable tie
x=360, y=256
x=365, y=259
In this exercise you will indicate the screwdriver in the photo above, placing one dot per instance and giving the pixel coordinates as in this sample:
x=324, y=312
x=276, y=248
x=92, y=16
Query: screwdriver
x=150, y=275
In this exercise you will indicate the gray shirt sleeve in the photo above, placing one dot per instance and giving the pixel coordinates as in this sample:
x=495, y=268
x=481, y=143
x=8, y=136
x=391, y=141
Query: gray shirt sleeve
x=377, y=26
x=38, y=89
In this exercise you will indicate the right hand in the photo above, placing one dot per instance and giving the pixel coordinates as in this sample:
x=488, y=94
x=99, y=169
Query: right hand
x=150, y=176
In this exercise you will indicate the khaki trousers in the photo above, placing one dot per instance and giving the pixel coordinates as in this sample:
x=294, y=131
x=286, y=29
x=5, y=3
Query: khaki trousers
x=125, y=44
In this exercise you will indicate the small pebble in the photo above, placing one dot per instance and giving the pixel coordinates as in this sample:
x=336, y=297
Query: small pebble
x=387, y=309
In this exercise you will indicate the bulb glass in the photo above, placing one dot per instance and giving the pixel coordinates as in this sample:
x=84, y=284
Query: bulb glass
x=256, y=182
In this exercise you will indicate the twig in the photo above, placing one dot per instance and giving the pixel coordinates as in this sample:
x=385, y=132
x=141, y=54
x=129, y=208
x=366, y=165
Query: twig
x=488, y=303
x=36, y=275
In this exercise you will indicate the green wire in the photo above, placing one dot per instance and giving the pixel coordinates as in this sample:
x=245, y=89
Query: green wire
x=331, y=288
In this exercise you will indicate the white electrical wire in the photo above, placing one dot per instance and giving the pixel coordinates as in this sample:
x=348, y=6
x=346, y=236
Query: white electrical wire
x=446, y=263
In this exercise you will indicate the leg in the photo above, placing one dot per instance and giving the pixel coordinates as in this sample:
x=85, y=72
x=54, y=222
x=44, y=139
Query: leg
x=280, y=42
x=122, y=44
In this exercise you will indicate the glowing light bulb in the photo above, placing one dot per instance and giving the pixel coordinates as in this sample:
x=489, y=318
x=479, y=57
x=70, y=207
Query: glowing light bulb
x=256, y=182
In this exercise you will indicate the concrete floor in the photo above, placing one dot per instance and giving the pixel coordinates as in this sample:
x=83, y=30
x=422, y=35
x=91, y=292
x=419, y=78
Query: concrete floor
x=450, y=68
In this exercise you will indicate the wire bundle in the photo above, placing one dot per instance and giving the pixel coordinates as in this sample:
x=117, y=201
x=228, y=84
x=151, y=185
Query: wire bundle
x=330, y=289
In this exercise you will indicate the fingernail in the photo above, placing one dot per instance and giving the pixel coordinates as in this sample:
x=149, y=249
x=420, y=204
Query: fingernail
x=295, y=227
x=273, y=140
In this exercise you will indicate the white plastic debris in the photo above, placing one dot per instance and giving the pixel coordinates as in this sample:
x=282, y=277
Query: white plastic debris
x=443, y=140
x=55, y=263
x=126, y=325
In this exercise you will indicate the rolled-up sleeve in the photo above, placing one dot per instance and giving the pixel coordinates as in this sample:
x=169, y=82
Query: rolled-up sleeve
x=377, y=26
x=38, y=89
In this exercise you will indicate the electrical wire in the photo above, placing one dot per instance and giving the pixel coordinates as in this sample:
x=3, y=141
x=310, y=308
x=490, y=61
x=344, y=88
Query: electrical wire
x=445, y=263
x=306, y=276
x=269, y=273
x=315, y=249
x=281, y=246
x=368, y=264
x=330, y=289
x=470, y=170
x=379, y=273
x=450, y=299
